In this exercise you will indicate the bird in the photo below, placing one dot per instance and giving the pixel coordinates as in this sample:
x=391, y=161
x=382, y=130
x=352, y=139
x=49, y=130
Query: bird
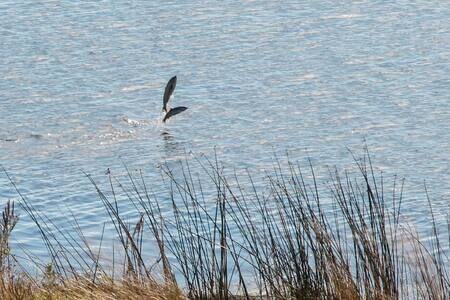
x=170, y=112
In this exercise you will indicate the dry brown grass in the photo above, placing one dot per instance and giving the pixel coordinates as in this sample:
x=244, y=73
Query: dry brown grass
x=106, y=289
x=83, y=289
x=23, y=287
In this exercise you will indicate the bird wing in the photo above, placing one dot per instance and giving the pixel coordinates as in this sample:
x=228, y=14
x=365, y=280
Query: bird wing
x=170, y=87
x=174, y=111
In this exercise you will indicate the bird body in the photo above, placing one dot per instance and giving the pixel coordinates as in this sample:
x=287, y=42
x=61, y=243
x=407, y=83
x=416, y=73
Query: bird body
x=170, y=87
x=170, y=112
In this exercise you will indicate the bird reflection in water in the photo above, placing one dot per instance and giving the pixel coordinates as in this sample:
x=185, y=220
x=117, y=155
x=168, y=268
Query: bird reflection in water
x=172, y=147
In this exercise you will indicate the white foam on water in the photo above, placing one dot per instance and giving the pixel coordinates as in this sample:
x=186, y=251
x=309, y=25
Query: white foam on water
x=132, y=122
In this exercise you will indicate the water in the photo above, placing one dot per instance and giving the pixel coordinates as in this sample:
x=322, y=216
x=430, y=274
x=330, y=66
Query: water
x=82, y=87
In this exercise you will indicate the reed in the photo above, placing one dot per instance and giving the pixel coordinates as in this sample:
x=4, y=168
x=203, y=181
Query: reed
x=290, y=236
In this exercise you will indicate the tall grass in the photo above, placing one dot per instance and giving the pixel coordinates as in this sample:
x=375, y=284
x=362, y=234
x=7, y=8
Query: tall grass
x=75, y=270
x=226, y=236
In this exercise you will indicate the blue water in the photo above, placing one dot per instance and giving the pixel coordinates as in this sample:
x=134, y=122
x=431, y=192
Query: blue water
x=82, y=83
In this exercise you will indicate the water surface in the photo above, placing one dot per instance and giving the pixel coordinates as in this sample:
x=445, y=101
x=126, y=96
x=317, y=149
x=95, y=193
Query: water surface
x=82, y=86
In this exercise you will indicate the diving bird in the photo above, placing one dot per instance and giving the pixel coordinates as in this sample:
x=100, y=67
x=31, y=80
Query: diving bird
x=170, y=87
